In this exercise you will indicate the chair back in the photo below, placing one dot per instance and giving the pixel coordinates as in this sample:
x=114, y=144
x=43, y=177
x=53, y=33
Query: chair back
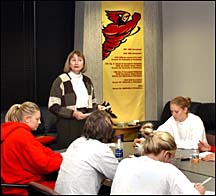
x=35, y=188
x=11, y=187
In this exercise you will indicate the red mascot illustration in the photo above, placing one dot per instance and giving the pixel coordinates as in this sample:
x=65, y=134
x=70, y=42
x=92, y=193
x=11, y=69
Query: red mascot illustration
x=116, y=32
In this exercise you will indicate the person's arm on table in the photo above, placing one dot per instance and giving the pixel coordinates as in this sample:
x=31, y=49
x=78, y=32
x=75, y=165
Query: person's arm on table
x=209, y=157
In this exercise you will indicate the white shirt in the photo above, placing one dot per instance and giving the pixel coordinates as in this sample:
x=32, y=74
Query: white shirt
x=85, y=164
x=145, y=176
x=79, y=89
x=186, y=133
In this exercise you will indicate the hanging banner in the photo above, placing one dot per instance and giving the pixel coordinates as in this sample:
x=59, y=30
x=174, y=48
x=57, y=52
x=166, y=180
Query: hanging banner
x=123, y=58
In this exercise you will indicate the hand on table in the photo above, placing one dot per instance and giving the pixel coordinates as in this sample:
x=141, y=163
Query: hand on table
x=209, y=157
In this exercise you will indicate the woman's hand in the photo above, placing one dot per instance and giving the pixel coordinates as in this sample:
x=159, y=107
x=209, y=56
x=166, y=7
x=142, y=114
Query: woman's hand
x=136, y=140
x=204, y=146
x=100, y=107
x=200, y=188
x=209, y=157
x=79, y=115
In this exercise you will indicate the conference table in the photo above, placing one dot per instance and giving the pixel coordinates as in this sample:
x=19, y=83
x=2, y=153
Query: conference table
x=128, y=132
x=196, y=172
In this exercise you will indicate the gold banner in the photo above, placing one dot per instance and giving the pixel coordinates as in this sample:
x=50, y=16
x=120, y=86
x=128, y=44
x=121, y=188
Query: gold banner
x=123, y=58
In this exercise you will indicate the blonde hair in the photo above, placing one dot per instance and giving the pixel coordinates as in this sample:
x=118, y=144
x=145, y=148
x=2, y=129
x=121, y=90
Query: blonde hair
x=156, y=141
x=71, y=54
x=17, y=111
x=182, y=102
x=146, y=129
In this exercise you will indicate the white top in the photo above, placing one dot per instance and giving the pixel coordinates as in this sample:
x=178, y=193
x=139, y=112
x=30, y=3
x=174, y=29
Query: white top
x=145, y=176
x=85, y=164
x=186, y=133
x=79, y=89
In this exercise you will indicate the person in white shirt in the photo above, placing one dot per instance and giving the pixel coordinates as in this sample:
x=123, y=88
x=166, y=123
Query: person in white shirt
x=187, y=128
x=153, y=173
x=88, y=160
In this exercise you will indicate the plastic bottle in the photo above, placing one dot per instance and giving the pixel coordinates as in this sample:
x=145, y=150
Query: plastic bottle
x=195, y=156
x=119, y=149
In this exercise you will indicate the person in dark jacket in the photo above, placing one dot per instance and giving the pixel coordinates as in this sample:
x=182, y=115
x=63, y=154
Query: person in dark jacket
x=23, y=157
x=72, y=99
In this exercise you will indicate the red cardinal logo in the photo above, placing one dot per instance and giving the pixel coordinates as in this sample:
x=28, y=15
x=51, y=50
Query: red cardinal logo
x=116, y=32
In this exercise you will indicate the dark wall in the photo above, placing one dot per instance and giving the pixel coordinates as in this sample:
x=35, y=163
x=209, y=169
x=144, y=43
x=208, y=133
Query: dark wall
x=36, y=37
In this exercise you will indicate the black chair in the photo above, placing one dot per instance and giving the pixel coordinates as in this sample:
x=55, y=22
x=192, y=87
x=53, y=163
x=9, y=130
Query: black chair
x=35, y=188
x=22, y=186
x=166, y=113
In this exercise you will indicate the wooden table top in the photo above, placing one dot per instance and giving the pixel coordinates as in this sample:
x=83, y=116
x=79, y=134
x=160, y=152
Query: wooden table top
x=127, y=127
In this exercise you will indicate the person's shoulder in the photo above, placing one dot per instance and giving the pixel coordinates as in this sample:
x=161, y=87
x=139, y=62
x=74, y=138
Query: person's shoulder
x=128, y=162
x=193, y=116
x=85, y=77
x=170, y=120
x=100, y=147
x=64, y=77
x=169, y=167
x=23, y=133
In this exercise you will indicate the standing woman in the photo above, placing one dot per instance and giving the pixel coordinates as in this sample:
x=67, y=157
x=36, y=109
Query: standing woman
x=71, y=99
x=23, y=157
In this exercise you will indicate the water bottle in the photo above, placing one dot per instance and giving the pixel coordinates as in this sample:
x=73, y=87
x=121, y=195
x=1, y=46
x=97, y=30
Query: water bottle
x=195, y=156
x=119, y=149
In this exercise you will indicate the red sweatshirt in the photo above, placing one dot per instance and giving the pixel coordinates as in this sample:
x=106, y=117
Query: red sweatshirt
x=24, y=159
x=212, y=149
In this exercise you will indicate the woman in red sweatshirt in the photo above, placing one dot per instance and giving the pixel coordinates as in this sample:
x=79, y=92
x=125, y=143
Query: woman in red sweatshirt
x=23, y=158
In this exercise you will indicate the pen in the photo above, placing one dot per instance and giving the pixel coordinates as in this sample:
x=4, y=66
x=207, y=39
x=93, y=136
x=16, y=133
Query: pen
x=205, y=181
x=185, y=159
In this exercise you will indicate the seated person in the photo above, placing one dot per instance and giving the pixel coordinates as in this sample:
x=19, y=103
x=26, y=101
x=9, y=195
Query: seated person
x=145, y=128
x=187, y=128
x=206, y=147
x=23, y=157
x=88, y=160
x=153, y=173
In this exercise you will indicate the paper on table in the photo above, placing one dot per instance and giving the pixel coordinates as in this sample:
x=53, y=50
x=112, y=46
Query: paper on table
x=203, y=154
x=209, y=192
